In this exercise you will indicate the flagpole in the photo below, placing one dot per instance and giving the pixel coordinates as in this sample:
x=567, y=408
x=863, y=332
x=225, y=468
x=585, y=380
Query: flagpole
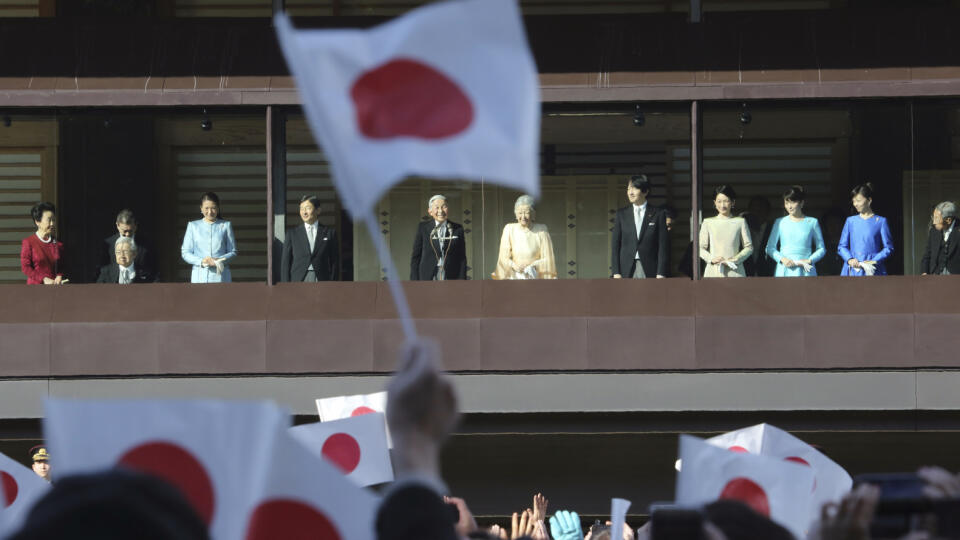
x=393, y=279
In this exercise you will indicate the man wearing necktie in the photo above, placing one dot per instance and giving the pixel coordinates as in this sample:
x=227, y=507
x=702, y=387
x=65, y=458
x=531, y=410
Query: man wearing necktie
x=124, y=270
x=941, y=255
x=310, y=251
x=641, y=242
x=439, y=252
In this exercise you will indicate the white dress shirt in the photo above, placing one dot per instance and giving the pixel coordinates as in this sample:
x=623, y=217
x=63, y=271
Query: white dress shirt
x=127, y=274
x=638, y=214
x=441, y=234
x=946, y=233
x=312, y=238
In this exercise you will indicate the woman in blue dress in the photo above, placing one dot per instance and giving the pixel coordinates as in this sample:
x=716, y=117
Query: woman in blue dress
x=208, y=244
x=796, y=242
x=865, y=242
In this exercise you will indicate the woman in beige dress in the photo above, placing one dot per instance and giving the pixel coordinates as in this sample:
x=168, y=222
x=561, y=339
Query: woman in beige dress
x=526, y=251
x=725, y=240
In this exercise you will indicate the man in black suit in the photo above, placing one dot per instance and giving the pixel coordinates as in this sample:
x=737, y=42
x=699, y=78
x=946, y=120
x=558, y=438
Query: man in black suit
x=126, y=228
x=641, y=242
x=439, y=251
x=940, y=255
x=125, y=269
x=758, y=220
x=310, y=251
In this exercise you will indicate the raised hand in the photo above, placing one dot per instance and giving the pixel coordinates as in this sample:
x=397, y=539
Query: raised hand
x=565, y=525
x=850, y=520
x=940, y=483
x=540, y=507
x=466, y=524
x=421, y=409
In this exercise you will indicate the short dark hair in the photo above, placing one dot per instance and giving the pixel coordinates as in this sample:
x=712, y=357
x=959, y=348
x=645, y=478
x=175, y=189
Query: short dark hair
x=865, y=189
x=794, y=194
x=41, y=207
x=126, y=217
x=312, y=199
x=210, y=196
x=113, y=504
x=639, y=181
x=726, y=191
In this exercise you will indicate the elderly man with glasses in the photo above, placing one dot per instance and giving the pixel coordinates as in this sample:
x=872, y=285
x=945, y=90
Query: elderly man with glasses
x=124, y=271
x=941, y=255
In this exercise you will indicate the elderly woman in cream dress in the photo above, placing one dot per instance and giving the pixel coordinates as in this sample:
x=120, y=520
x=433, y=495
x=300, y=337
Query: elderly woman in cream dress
x=526, y=251
x=725, y=240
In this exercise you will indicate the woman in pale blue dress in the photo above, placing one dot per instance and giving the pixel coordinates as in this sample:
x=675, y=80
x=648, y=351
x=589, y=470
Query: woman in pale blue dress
x=865, y=242
x=208, y=244
x=796, y=242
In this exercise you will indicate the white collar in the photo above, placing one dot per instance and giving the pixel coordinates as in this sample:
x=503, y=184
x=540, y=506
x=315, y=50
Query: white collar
x=946, y=232
x=47, y=241
x=642, y=207
x=311, y=225
x=127, y=268
x=438, y=224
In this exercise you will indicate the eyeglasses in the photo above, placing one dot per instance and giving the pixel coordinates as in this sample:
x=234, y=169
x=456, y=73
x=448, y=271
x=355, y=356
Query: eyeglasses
x=124, y=252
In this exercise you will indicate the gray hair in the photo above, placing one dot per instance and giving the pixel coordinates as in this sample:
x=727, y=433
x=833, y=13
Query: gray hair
x=523, y=200
x=125, y=240
x=436, y=197
x=947, y=209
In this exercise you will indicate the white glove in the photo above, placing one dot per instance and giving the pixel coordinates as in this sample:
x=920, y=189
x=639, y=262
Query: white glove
x=807, y=267
x=869, y=267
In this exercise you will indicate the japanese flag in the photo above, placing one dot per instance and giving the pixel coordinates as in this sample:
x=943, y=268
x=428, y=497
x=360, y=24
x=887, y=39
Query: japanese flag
x=831, y=481
x=19, y=489
x=305, y=497
x=448, y=90
x=357, y=446
x=215, y=452
x=335, y=408
x=775, y=488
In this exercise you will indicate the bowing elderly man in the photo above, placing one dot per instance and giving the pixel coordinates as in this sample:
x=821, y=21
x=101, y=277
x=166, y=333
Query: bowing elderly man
x=124, y=270
x=438, y=250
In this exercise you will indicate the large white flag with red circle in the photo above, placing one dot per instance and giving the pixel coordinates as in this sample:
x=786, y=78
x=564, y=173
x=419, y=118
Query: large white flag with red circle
x=831, y=481
x=447, y=90
x=337, y=407
x=305, y=497
x=778, y=489
x=19, y=489
x=215, y=452
x=357, y=446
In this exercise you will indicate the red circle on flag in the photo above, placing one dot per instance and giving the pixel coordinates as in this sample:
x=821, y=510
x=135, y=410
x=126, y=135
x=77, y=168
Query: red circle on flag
x=290, y=520
x=407, y=98
x=749, y=492
x=177, y=466
x=343, y=450
x=738, y=449
x=361, y=410
x=10, y=488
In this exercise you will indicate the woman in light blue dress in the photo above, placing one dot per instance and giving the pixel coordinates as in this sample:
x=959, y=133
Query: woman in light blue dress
x=865, y=242
x=796, y=242
x=208, y=244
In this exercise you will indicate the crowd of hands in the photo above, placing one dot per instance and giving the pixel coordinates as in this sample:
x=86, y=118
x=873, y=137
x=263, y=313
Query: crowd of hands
x=422, y=411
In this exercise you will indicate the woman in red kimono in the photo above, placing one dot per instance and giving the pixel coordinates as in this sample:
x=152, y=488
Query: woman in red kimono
x=41, y=255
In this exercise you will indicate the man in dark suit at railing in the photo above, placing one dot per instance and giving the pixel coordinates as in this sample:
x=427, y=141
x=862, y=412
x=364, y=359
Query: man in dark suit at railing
x=310, y=249
x=941, y=255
